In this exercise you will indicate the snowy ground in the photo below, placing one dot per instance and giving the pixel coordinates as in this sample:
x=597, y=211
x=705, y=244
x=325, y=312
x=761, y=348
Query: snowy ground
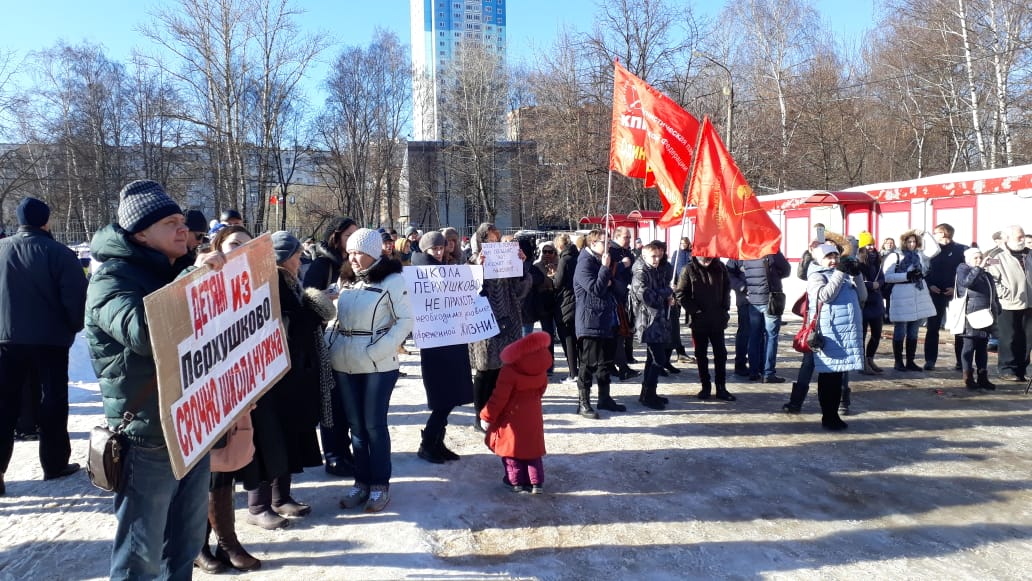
x=929, y=482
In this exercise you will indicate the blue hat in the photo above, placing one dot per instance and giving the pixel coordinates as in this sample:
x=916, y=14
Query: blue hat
x=142, y=203
x=285, y=245
x=33, y=212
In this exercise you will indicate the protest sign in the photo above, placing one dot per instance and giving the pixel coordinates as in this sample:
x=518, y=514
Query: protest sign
x=447, y=308
x=502, y=259
x=218, y=344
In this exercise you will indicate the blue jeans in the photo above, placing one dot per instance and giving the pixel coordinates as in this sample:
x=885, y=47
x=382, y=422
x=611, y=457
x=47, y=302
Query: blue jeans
x=366, y=399
x=763, y=341
x=906, y=330
x=162, y=522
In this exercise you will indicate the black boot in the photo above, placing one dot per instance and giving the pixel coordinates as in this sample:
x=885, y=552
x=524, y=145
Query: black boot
x=584, y=404
x=723, y=393
x=605, y=402
x=704, y=392
x=983, y=380
x=206, y=561
x=658, y=397
x=829, y=398
x=229, y=550
x=897, y=354
x=428, y=448
x=795, y=400
x=443, y=450
x=969, y=379
x=648, y=398
x=911, y=352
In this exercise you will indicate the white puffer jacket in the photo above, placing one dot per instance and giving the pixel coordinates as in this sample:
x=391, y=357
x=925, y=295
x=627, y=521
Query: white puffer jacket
x=910, y=300
x=374, y=317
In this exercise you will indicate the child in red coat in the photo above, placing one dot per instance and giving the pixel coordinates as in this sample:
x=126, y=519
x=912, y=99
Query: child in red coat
x=513, y=417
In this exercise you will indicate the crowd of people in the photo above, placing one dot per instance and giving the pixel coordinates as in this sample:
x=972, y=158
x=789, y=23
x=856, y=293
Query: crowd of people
x=347, y=316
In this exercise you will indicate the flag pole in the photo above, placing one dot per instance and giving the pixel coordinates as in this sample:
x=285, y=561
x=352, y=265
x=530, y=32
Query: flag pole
x=605, y=218
x=687, y=198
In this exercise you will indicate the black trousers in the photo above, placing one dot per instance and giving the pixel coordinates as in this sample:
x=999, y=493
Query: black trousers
x=704, y=338
x=568, y=337
x=596, y=356
x=1015, y=328
x=932, y=328
x=49, y=366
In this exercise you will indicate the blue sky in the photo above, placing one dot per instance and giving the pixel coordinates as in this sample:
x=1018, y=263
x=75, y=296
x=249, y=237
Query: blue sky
x=36, y=24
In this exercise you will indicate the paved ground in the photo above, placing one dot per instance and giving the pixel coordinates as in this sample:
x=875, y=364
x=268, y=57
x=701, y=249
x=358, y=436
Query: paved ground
x=930, y=481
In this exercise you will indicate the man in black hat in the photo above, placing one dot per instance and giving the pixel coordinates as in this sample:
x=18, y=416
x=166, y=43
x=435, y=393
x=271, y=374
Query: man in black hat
x=231, y=217
x=197, y=225
x=42, y=302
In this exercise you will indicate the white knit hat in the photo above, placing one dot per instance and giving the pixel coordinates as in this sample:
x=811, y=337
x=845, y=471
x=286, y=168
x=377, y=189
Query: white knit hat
x=366, y=241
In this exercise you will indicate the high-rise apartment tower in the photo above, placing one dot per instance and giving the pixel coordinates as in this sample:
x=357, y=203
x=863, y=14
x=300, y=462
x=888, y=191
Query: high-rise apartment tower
x=440, y=30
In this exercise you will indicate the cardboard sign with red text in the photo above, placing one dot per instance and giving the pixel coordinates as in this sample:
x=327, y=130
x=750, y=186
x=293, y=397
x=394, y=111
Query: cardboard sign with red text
x=218, y=344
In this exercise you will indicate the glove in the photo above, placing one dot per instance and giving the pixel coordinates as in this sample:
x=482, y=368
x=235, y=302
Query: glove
x=914, y=275
x=849, y=266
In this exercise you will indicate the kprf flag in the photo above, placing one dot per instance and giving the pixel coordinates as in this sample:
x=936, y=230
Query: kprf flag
x=652, y=138
x=730, y=222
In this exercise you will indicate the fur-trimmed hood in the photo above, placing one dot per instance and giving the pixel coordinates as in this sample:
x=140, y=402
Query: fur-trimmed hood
x=529, y=355
x=319, y=303
x=901, y=244
x=381, y=270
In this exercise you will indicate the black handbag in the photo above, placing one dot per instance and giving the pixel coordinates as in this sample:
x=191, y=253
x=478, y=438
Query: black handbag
x=106, y=456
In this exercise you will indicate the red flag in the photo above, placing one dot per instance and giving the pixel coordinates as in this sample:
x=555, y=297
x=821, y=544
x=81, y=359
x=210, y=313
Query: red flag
x=651, y=139
x=731, y=223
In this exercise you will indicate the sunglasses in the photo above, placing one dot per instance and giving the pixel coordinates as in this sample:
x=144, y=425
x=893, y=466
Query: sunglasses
x=548, y=252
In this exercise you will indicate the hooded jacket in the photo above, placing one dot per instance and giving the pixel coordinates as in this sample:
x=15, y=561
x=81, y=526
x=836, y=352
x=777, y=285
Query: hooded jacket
x=840, y=319
x=705, y=294
x=759, y=277
x=910, y=300
x=517, y=427
x=649, y=297
x=117, y=334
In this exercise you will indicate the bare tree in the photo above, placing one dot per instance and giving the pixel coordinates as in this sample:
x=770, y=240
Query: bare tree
x=473, y=105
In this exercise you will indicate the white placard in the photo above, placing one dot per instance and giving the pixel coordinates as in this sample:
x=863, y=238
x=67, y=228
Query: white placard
x=502, y=260
x=447, y=308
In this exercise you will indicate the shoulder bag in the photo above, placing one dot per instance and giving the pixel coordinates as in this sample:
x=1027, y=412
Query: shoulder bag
x=982, y=318
x=106, y=455
x=955, y=312
x=809, y=338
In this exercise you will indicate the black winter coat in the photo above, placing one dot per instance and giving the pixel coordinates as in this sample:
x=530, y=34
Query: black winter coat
x=286, y=416
x=444, y=369
x=565, y=298
x=705, y=294
x=44, y=290
x=942, y=268
x=596, y=305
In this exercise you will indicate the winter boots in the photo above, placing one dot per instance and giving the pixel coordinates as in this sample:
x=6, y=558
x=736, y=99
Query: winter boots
x=428, y=448
x=605, y=402
x=911, y=352
x=869, y=367
x=829, y=398
x=795, y=401
x=443, y=450
x=969, y=379
x=897, y=354
x=584, y=408
x=723, y=393
x=206, y=561
x=704, y=393
x=649, y=399
x=983, y=380
x=220, y=515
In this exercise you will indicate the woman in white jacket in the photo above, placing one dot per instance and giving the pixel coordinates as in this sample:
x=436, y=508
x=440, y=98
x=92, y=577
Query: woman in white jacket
x=911, y=304
x=373, y=319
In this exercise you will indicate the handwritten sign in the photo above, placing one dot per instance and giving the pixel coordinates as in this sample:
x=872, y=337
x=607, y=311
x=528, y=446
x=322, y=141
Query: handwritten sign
x=447, y=307
x=218, y=344
x=502, y=260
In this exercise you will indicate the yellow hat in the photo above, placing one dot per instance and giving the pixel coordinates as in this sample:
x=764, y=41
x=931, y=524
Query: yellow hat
x=865, y=239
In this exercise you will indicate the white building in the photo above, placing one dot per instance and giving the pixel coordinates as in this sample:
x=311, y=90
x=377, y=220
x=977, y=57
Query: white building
x=440, y=29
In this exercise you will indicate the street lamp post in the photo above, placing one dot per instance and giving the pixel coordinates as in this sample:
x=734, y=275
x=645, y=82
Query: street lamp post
x=729, y=92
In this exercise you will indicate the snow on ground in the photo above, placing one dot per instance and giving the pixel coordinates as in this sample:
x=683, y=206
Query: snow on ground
x=929, y=482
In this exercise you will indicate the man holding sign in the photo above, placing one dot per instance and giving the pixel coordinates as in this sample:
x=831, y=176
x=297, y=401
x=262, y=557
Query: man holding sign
x=161, y=520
